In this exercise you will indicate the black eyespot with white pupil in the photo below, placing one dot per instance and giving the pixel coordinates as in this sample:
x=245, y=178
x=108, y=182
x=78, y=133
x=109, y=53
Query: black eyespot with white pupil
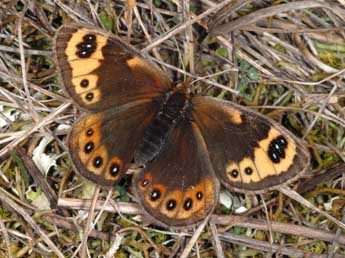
x=199, y=195
x=171, y=204
x=89, y=96
x=277, y=148
x=282, y=141
x=89, y=38
x=248, y=170
x=86, y=48
x=89, y=147
x=97, y=162
x=145, y=183
x=89, y=132
x=155, y=195
x=84, y=83
x=188, y=204
x=234, y=173
x=114, y=169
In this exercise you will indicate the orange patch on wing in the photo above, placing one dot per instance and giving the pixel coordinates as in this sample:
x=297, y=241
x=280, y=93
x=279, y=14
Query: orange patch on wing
x=154, y=203
x=286, y=163
x=84, y=66
x=96, y=96
x=90, y=78
x=197, y=206
x=245, y=164
x=148, y=177
x=80, y=138
x=113, y=161
x=290, y=150
x=209, y=192
x=229, y=168
x=235, y=115
x=136, y=62
x=263, y=163
x=100, y=151
x=77, y=38
x=174, y=195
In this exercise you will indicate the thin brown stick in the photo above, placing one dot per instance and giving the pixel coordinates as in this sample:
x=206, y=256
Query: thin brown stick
x=270, y=248
x=83, y=245
x=6, y=238
x=217, y=244
x=194, y=238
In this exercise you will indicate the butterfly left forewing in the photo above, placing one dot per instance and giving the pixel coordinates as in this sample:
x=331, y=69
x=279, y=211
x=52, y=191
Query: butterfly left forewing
x=179, y=187
x=100, y=71
x=249, y=152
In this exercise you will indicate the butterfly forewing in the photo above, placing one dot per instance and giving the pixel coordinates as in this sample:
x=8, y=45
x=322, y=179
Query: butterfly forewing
x=100, y=71
x=248, y=151
x=102, y=145
x=179, y=187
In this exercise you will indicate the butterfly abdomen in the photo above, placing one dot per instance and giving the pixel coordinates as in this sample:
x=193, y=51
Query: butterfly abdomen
x=156, y=134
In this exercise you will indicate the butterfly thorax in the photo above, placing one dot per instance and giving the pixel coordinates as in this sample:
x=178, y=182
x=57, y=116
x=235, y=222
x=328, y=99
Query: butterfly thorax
x=173, y=108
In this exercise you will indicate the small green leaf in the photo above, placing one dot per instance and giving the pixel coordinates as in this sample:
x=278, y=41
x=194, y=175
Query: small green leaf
x=222, y=52
x=107, y=21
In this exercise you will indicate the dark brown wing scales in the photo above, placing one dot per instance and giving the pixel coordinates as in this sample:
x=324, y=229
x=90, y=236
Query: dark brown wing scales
x=179, y=187
x=102, y=145
x=156, y=133
x=99, y=71
x=248, y=151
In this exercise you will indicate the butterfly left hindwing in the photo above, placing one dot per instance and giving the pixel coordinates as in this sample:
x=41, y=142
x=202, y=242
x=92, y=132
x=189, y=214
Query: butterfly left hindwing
x=249, y=152
x=102, y=145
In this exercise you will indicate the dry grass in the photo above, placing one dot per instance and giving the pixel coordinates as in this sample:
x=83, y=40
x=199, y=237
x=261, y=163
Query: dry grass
x=286, y=61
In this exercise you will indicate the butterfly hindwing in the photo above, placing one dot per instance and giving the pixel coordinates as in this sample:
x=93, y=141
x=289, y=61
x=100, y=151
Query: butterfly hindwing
x=248, y=151
x=100, y=71
x=179, y=187
x=102, y=145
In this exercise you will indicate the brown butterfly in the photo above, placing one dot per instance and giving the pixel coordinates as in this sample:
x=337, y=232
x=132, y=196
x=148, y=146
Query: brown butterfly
x=188, y=143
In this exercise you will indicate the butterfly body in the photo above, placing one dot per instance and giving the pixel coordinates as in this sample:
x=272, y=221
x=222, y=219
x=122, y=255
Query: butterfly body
x=173, y=108
x=189, y=144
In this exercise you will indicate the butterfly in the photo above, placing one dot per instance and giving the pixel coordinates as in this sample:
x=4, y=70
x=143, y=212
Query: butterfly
x=188, y=144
